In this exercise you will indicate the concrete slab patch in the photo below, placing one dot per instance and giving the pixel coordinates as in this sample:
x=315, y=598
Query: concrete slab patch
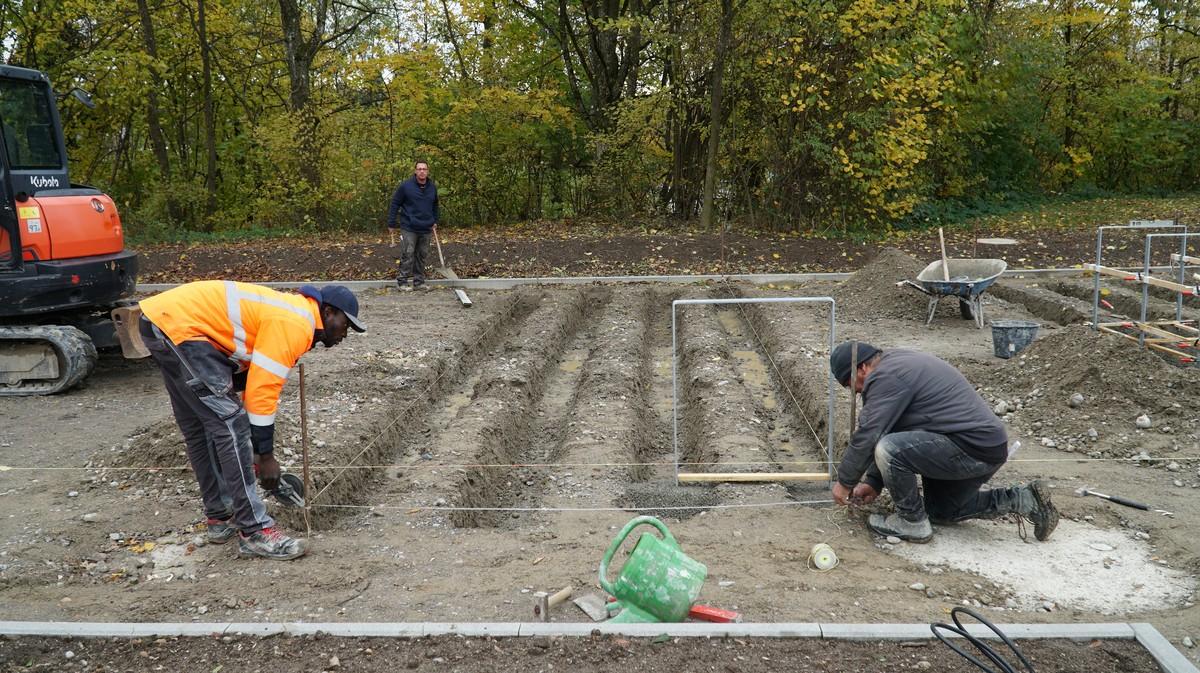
x=1081, y=567
x=171, y=559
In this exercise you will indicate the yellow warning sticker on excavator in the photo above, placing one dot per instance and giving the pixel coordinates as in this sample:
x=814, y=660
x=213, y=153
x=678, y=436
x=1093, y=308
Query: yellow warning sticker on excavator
x=27, y=212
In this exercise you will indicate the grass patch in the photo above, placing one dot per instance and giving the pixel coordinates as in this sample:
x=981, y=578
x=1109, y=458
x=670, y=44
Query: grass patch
x=1065, y=212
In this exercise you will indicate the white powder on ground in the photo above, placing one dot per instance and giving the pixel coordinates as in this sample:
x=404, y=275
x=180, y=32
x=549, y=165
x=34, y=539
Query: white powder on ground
x=1080, y=567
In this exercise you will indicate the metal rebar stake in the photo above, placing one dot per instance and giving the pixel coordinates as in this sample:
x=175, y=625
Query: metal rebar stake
x=304, y=452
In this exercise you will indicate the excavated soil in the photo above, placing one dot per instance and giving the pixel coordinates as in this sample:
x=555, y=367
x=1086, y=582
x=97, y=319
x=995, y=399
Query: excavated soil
x=461, y=460
x=873, y=290
x=1117, y=383
x=484, y=655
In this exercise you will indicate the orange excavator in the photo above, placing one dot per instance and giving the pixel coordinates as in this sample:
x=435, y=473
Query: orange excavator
x=63, y=262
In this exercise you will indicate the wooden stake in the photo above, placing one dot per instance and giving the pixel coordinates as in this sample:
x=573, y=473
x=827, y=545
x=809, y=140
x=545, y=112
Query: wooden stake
x=723, y=272
x=304, y=452
x=945, y=261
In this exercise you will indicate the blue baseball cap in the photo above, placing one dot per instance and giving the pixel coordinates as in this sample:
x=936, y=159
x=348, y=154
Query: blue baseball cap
x=339, y=297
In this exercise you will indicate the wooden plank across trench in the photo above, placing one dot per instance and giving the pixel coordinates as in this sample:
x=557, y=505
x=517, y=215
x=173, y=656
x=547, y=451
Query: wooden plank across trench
x=1138, y=276
x=1158, y=337
x=695, y=477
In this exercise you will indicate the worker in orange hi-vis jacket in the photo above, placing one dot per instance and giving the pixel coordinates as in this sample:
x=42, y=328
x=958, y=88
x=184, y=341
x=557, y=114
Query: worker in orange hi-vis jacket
x=212, y=339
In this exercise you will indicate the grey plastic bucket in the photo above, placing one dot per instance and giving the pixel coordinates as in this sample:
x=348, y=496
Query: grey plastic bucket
x=1010, y=337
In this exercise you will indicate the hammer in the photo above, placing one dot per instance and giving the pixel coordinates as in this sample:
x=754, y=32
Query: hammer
x=1084, y=491
x=545, y=601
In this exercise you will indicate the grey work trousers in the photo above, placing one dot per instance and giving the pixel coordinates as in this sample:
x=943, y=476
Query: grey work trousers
x=414, y=248
x=952, y=479
x=216, y=430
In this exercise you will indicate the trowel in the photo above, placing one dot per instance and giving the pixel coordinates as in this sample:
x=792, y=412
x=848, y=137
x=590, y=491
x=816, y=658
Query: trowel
x=593, y=605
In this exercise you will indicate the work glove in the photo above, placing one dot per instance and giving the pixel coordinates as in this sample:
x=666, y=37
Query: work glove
x=268, y=470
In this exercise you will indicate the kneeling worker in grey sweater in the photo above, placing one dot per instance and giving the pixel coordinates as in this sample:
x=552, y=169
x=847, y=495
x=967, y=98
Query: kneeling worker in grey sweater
x=921, y=417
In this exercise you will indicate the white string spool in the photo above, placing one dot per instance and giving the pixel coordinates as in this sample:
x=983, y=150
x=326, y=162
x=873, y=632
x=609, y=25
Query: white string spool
x=822, y=558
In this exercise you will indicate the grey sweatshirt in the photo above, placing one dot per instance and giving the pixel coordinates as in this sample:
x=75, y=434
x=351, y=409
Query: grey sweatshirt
x=909, y=390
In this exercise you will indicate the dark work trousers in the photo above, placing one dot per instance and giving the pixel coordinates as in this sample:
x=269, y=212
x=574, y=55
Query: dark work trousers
x=414, y=249
x=951, y=479
x=209, y=411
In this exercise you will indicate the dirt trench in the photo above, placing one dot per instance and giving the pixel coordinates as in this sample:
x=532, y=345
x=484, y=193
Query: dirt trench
x=570, y=406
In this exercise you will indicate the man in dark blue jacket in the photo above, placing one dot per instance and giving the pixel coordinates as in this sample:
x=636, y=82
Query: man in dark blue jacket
x=415, y=202
x=922, y=418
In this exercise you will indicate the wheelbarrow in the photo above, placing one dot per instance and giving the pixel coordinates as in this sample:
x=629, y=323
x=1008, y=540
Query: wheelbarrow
x=968, y=279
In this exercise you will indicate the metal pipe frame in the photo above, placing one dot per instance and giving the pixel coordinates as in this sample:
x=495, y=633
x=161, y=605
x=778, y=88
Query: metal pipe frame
x=1134, y=224
x=1182, y=256
x=744, y=300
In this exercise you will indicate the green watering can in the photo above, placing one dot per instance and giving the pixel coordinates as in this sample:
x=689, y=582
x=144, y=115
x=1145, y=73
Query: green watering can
x=658, y=582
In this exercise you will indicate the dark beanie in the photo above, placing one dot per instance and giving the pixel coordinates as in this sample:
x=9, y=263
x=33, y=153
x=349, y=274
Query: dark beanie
x=839, y=359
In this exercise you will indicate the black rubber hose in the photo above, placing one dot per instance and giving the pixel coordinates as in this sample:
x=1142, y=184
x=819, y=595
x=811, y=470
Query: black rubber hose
x=1003, y=666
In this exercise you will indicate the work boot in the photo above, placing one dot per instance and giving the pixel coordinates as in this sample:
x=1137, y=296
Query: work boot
x=271, y=543
x=1034, y=506
x=218, y=531
x=894, y=524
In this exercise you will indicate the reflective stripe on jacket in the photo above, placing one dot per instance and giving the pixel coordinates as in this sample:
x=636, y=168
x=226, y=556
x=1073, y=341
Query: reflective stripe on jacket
x=256, y=326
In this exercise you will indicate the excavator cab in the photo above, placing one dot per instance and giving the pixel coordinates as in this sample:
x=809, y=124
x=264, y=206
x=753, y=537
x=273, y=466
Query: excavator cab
x=63, y=262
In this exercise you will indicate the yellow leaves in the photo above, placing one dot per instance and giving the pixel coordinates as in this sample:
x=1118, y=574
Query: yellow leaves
x=141, y=547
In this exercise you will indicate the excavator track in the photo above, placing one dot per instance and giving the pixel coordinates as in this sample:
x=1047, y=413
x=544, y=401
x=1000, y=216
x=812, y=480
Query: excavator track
x=43, y=359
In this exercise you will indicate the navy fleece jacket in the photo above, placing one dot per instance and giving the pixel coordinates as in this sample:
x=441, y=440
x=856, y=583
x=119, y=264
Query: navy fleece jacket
x=416, y=206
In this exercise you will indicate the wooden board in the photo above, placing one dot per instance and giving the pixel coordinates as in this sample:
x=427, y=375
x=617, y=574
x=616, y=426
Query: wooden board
x=694, y=477
x=461, y=294
x=1137, y=276
x=1183, y=357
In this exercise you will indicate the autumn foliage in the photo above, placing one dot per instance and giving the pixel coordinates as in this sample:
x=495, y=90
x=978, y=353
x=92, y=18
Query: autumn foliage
x=831, y=114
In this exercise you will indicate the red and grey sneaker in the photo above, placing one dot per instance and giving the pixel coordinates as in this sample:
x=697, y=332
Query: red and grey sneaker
x=271, y=543
x=218, y=531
